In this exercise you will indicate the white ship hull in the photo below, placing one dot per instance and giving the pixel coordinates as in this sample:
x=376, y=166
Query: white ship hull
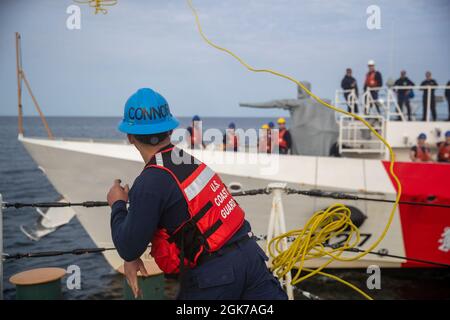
x=84, y=170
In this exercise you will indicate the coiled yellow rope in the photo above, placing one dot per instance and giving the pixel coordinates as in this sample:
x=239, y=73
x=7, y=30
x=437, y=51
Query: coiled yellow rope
x=309, y=244
x=323, y=224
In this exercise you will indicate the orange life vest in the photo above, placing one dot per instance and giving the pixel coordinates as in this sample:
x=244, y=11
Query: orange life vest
x=370, y=80
x=444, y=152
x=282, y=143
x=422, y=156
x=215, y=216
x=265, y=142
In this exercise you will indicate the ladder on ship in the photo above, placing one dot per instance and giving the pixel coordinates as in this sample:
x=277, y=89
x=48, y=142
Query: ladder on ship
x=355, y=137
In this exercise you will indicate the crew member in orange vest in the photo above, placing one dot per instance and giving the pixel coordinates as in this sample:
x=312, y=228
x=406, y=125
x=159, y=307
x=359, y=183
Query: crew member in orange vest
x=284, y=137
x=420, y=152
x=265, y=139
x=444, y=149
x=198, y=232
x=230, y=138
x=373, y=80
x=195, y=133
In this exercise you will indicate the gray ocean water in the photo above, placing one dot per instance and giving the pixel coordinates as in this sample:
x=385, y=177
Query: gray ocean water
x=22, y=181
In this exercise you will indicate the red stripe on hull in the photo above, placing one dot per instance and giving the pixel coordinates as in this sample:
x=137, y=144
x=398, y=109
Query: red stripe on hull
x=423, y=227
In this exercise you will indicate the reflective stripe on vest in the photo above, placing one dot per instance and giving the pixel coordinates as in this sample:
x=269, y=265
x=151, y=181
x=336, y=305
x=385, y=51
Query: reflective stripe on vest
x=199, y=183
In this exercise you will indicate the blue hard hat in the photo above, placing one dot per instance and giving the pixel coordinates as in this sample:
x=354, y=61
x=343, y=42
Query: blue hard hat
x=447, y=134
x=196, y=118
x=422, y=136
x=271, y=125
x=232, y=125
x=147, y=112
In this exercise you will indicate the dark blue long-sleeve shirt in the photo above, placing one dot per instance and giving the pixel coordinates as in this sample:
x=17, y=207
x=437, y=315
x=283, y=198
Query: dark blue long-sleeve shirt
x=155, y=201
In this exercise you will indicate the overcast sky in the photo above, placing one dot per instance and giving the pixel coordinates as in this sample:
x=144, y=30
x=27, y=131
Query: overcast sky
x=92, y=71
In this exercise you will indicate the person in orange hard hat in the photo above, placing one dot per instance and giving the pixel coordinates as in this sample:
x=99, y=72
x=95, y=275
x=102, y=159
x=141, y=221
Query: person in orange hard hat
x=265, y=139
x=284, y=137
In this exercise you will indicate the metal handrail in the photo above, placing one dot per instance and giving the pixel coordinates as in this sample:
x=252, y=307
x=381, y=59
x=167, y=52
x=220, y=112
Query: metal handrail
x=351, y=134
x=387, y=99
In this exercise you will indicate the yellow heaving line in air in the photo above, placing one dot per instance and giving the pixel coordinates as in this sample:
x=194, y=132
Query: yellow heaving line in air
x=98, y=4
x=325, y=224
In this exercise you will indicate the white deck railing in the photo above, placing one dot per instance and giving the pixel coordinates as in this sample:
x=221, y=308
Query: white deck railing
x=355, y=137
x=387, y=101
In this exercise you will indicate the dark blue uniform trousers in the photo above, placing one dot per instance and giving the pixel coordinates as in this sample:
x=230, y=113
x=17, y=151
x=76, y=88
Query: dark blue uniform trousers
x=237, y=274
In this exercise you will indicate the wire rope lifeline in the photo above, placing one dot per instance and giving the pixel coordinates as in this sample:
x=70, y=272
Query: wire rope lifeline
x=251, y=192
x=82, y=251
x=342, y=213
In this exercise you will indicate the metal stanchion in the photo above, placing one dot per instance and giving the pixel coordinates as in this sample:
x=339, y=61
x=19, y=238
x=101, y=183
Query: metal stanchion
x=277, y=226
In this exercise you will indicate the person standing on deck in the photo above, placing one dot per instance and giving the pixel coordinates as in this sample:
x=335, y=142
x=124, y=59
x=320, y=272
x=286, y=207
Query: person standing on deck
x=420, y=152
x=195, y=134
x=265, y=139
x=429, y=81
x=444, y=149
x=272, y=141
x=349, y=83
x=403, y=95
x=230, y=138
x=373, y=80
x=284, y=137
x=198, y=231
